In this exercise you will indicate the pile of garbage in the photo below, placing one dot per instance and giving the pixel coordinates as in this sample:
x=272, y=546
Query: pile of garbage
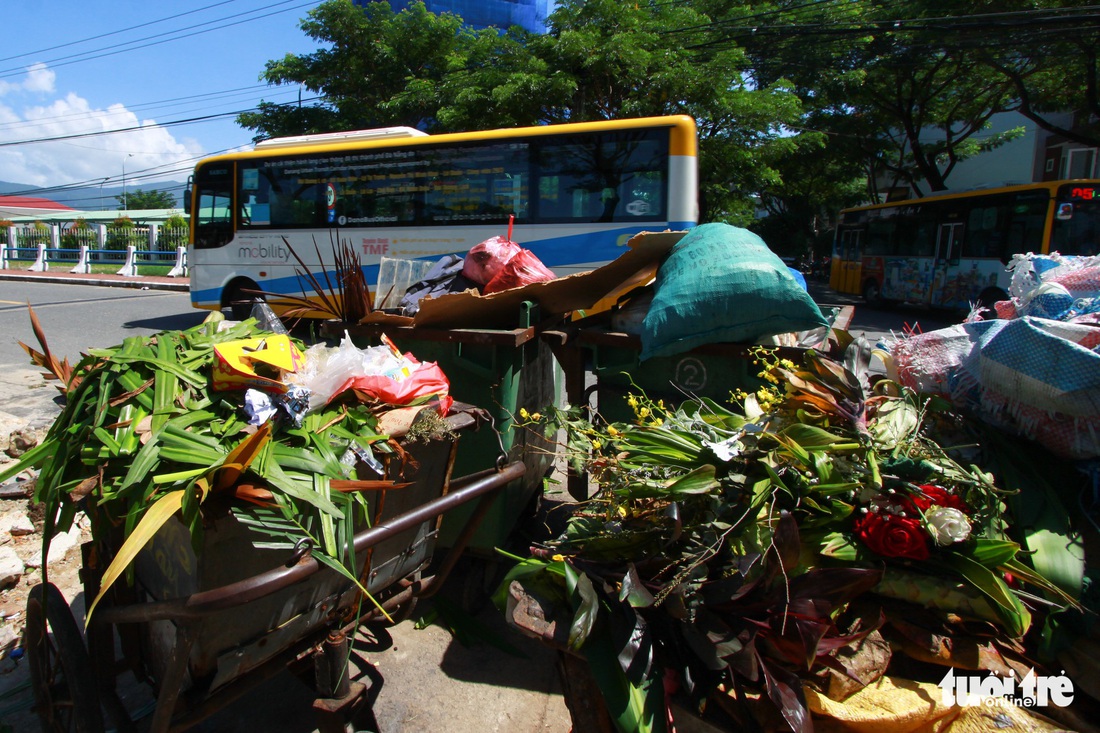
x=838, y=549
x=226, y=413
x=489, y=267
x=800, y=557
x=1034, y=369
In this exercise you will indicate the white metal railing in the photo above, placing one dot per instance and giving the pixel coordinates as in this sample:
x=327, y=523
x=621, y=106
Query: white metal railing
x=131, y=249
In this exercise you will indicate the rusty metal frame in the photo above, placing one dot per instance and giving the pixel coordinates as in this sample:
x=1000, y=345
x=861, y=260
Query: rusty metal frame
x=190, y=612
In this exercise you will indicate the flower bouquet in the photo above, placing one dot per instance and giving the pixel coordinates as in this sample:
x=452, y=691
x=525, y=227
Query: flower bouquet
x=745, y=560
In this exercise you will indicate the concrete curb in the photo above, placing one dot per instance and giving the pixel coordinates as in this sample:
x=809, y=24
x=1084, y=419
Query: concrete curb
x=111, y=281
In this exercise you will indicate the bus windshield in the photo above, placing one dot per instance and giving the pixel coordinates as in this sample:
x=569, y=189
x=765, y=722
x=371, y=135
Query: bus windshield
x=1076, y=229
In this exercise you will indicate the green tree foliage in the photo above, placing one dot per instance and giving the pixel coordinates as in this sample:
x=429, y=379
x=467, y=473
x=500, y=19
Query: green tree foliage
x=173, y=232
x=78, y=233
x=1049, y=51
x=795, y=101
x=601, y=59
x=121, y=233
x=376, y=68
x=886, y=80
x=152, y=199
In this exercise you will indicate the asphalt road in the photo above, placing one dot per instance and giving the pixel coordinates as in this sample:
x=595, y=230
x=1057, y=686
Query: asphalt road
x=77, y=317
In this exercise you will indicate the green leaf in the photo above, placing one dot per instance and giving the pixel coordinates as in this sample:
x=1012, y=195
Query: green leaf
x=299, y=486
x=633, y=708
x=839, y=546
x=992, y=553
x=583, y=597
x=525, y=568
x=1016, y=618
x=191, y=377
x=811, y=437
x=150, y=523
x=1039, y=514
x=34, y=457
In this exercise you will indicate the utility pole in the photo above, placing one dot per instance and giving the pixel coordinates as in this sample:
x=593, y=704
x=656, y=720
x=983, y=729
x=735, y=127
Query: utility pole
x=124, y=201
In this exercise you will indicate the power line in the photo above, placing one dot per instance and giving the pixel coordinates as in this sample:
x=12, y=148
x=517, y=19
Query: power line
x=133, y=45
x=26, y=126
x=118, y=32
x=79, y=135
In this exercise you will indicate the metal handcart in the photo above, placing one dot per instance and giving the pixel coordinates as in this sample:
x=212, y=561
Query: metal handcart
x=204, y=628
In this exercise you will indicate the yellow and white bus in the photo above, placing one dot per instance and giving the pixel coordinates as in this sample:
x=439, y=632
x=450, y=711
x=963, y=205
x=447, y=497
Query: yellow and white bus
x=950, y=251
x=578, y=193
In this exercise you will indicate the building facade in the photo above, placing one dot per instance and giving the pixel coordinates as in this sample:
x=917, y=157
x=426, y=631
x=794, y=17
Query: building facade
x=528, y=14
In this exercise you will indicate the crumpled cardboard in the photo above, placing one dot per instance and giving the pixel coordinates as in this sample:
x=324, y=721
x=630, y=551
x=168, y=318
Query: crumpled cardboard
x=257, y=363
x=586, y=291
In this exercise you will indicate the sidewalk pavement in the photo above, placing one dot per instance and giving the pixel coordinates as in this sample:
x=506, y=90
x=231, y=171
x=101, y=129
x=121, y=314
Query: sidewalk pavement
x=141, y=282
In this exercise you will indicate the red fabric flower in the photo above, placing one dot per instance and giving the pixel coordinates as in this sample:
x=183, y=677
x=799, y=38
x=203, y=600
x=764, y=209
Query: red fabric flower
x=893, y=536
x=935, y=496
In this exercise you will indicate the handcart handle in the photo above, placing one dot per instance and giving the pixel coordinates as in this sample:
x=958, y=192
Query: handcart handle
x=264, y=584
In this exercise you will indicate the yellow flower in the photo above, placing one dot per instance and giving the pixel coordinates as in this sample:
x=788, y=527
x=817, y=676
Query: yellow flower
x=557, y=558
x=657, y=422
x=536, y=415
x=523, y=413
x=632, y=401
x=612, y=431
x=643, y=412
x=596, y=444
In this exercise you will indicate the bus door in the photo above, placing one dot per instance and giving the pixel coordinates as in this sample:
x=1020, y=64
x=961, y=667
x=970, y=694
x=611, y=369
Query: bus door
x=945, y=265
x=844, y=274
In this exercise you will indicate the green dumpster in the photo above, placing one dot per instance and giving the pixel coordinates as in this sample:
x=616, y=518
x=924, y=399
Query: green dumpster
x=713, y=371
x=501, y=371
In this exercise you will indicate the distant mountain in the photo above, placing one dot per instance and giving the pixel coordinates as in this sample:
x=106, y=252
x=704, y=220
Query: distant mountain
x=90, y=198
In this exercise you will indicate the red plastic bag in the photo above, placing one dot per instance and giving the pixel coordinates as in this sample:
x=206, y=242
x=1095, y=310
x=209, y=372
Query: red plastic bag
x=427, y=381
x=523, y=269
x=486, y=259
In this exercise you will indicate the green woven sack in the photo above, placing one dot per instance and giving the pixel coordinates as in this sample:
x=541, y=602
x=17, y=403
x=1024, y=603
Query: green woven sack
x=722, y=284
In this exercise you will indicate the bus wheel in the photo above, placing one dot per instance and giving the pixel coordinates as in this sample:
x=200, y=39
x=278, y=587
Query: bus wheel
x=239, y=297
x=872, y=294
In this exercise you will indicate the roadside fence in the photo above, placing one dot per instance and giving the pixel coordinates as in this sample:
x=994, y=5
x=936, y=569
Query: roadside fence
x=124, y=250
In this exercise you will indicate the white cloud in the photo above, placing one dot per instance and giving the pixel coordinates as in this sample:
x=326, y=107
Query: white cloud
x=40, y=79
x=145, y=154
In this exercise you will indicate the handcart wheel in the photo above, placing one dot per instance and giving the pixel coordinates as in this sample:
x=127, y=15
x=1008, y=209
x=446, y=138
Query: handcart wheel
x=60, y=669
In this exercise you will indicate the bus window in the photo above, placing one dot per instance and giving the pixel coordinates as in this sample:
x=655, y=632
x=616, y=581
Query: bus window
x=1079, y=232
x=1026, y=228
x=609, y=178
x=985, y=229
x=923, y=237
x=214, y=214
x=880, y=237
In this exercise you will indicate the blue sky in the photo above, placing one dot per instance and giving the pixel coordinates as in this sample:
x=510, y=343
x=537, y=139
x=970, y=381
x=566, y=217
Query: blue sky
x=74, y=67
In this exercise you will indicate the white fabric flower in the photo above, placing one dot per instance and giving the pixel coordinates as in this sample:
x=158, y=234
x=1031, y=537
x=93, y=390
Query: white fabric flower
x=946, y=525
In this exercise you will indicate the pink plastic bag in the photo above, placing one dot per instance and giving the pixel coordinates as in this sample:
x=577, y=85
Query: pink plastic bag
x=486, y=259
x=523, y=269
